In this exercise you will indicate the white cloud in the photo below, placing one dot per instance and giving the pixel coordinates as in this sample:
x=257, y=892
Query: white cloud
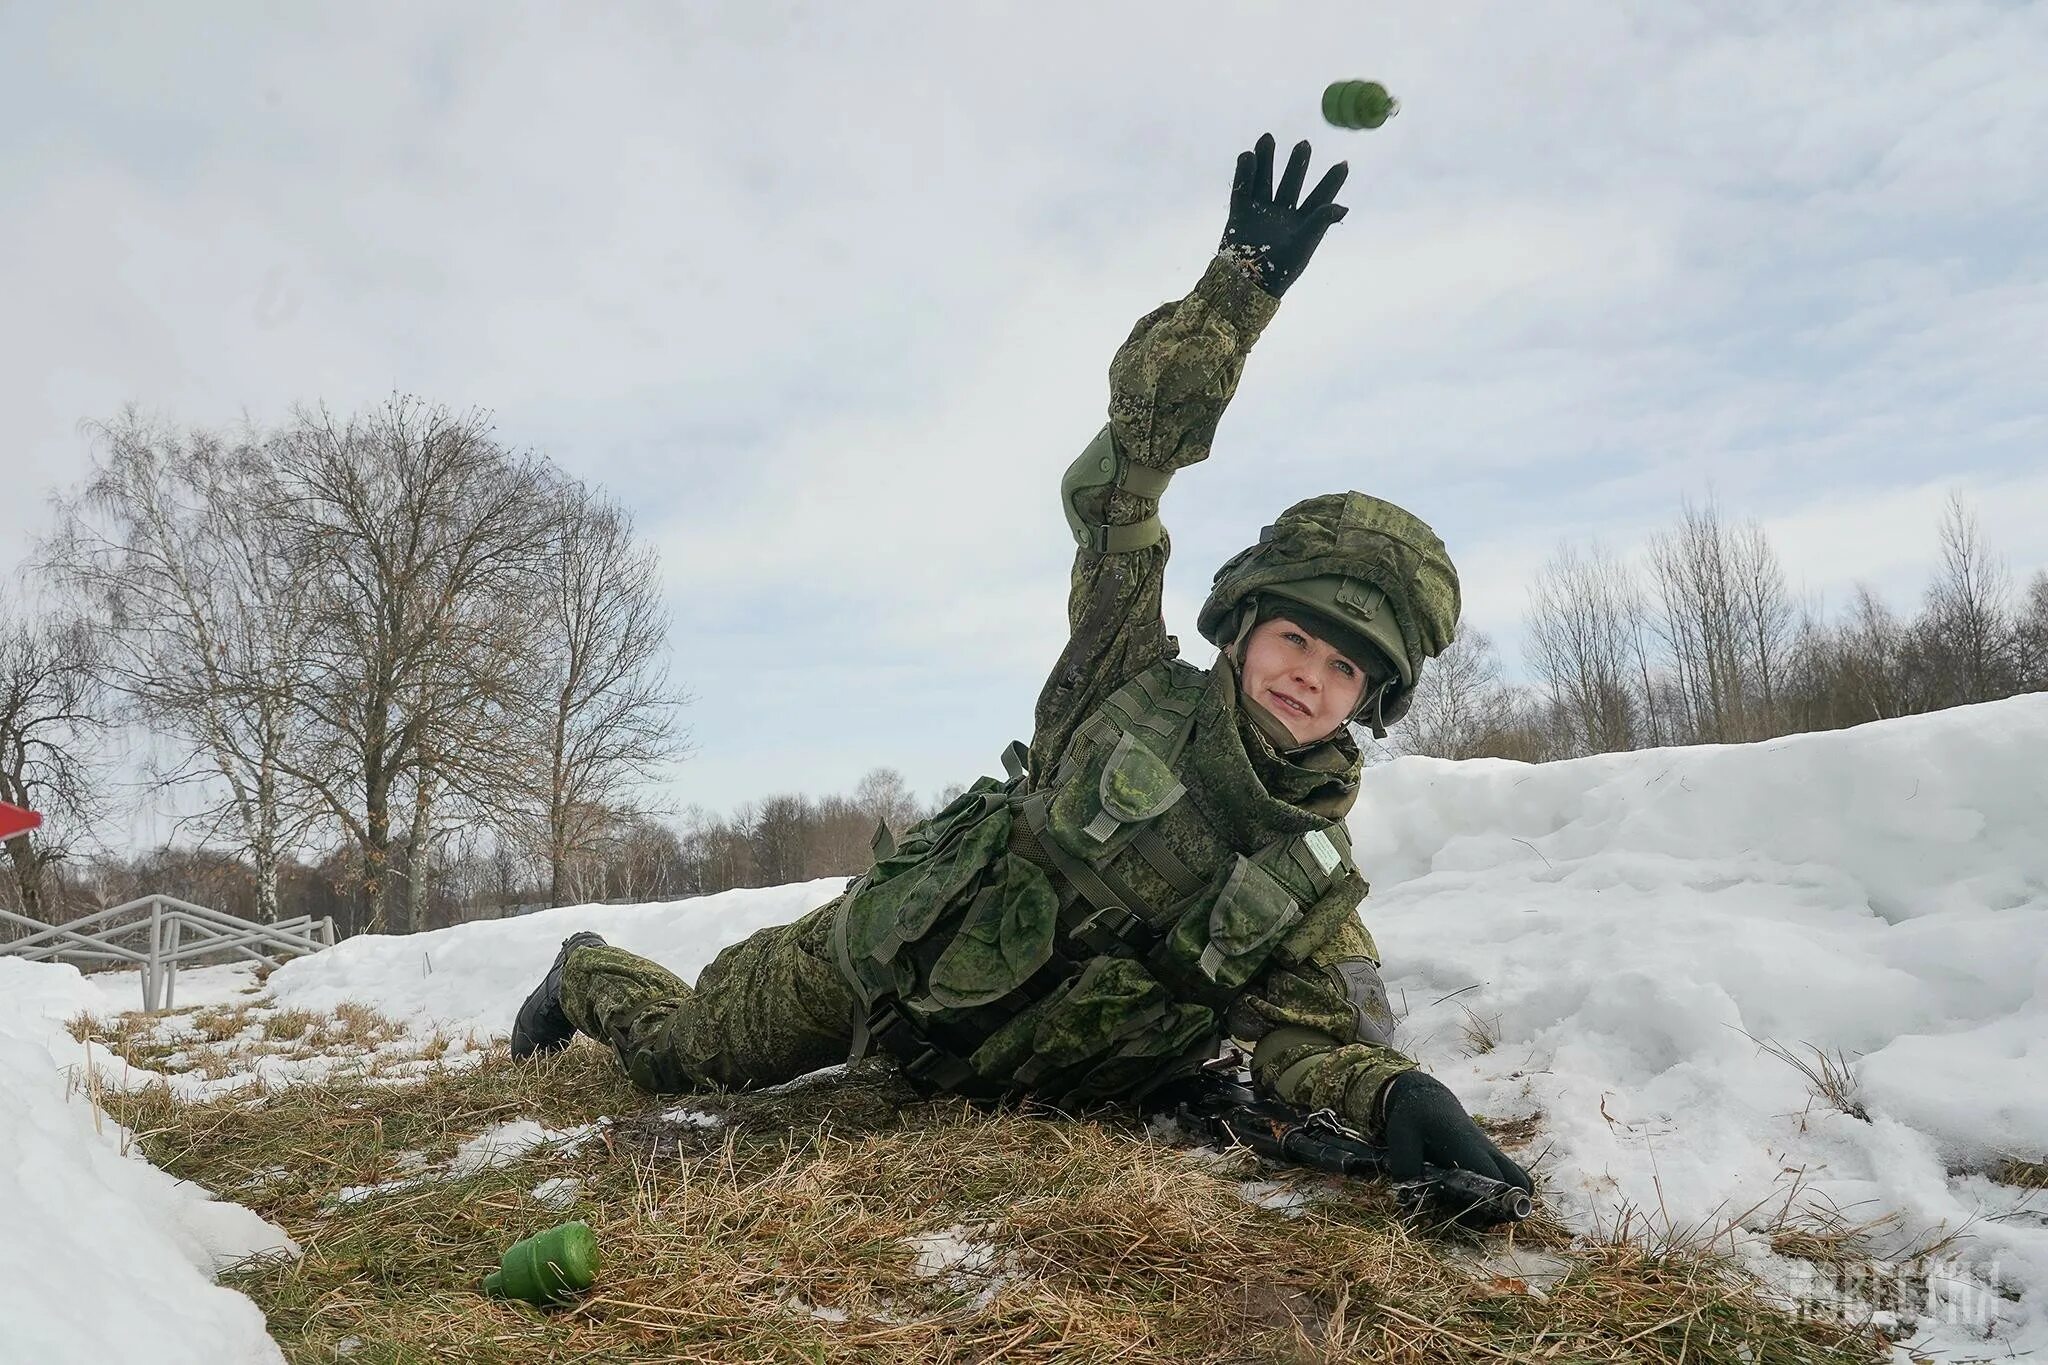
x=828, y=293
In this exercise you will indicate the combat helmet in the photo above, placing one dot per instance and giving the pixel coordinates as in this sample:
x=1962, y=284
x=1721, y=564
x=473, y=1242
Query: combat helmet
x=1357, y=565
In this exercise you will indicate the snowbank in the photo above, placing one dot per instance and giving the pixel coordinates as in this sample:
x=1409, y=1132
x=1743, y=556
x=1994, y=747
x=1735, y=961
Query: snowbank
x=105, y=1257
x=471, y=977
x=1627, y=924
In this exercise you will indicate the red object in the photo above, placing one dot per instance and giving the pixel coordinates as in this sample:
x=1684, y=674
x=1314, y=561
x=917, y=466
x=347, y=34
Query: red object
x=14, y=820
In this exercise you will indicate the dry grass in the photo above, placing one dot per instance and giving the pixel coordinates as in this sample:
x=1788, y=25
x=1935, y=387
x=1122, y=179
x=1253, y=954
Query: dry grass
x=1830, y=1076
x=2028, y=1175
x=785, y=1233
x=1481, y=1034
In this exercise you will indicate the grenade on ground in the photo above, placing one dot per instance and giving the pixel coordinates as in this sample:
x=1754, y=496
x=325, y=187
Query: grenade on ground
x=1358, y=104
x=547, y=1268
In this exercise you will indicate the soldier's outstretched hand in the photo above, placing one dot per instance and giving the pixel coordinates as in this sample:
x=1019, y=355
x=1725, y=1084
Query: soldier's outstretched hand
x=1271, y=234
x=1425, y=1123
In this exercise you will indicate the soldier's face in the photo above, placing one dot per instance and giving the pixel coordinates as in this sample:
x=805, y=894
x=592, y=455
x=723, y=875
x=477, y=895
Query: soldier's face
x=1307, y=684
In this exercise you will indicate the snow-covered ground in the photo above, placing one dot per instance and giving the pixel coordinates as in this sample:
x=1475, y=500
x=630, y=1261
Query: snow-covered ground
x=1629, y=926
x=1605, y=943
x=104, y=1257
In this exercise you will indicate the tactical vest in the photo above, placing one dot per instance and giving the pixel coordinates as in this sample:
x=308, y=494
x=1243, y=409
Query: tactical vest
x=1053, y=940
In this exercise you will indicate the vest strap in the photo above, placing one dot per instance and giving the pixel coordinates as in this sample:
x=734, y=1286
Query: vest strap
x=927, y=1064
x=1097, y=889
x=1163, y=860
x=1016, y=759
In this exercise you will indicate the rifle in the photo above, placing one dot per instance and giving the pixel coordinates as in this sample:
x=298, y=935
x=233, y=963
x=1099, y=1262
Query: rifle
x=1216, y=1103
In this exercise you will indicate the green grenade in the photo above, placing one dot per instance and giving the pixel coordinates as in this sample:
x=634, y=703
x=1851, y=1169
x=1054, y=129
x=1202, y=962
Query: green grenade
x=548, y=1267
x=1358, y=104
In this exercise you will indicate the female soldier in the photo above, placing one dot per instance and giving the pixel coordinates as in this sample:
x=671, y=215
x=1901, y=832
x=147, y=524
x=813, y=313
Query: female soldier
x=1167, y=865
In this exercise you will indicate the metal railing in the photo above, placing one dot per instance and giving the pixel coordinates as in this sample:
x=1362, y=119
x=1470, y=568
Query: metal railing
x=166, y=931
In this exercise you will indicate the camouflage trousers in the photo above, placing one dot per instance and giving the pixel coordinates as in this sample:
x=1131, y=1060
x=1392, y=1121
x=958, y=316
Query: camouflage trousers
x=770, y=1007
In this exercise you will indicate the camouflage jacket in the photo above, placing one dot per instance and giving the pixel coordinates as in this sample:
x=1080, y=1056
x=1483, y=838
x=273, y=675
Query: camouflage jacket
x=1315, y=1013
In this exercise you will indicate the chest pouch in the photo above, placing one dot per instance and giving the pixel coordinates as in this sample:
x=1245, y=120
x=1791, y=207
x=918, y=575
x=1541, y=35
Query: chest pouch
x=1101, y=807
x=1005, y=936
x=940, y=866
x=1224, y=939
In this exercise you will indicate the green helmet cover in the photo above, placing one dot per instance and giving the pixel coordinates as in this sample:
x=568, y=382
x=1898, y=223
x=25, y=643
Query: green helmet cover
x=1360, y=562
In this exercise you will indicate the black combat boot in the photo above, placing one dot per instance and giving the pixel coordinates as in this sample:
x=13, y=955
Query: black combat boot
x=541, y=1025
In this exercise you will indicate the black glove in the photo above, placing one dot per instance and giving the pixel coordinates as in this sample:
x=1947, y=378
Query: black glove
x=1266, y=230
x=1425, y=1122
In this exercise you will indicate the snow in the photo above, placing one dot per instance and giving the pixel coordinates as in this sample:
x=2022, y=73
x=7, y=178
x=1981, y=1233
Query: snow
x=1629, y=929
x=962, y=1260
x=473, y=976
x=1634, y=921
x=689, y=1116
x=498, y=1145
x=106, y=1258
x=196, y=987
x=1289, y=1201
x=959, y=1250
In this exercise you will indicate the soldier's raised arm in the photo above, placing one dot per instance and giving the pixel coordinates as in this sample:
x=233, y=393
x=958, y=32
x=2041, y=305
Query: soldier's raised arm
x=1168, y=385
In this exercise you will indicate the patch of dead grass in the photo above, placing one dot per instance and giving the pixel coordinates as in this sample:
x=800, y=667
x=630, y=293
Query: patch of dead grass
x=217, y=1042
x=787, y=1232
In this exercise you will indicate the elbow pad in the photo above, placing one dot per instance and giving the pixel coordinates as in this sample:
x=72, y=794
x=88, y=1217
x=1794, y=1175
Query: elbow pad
x=1102, y=466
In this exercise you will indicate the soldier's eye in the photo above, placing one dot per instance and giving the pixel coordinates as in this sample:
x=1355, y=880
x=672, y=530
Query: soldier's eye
x=1344, y=667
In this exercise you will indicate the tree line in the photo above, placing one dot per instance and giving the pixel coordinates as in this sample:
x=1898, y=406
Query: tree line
x=1699, y=639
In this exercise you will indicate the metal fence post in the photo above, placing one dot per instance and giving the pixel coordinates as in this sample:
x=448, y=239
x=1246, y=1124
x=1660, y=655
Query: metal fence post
x=171, y=960
x=156, y=954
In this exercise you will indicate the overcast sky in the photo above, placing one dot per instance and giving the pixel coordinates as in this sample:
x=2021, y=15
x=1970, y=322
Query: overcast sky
x=826, y=293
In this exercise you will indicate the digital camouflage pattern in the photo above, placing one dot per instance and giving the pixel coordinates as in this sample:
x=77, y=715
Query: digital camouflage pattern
x=770, y=1007
x=956, y=915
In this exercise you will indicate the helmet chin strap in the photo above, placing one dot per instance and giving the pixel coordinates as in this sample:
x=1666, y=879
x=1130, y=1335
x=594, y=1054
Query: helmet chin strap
x=1370, y=709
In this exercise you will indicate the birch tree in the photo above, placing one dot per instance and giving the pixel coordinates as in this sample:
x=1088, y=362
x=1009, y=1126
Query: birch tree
x=605, y=712
x=177, y=546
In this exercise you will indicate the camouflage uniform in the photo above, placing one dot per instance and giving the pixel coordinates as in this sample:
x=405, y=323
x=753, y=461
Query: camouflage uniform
x=954, y=933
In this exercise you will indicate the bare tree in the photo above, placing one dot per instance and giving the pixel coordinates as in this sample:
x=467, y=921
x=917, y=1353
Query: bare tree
x=842, y=838
x=1968, y=611
x=1727, y=624
x=781, y=836
x=50, y=717
x=1463, y=709
x=2030, y=636
x=885, y=798
x=177, y=545
x=1765, y=622
x=646, y=861
x=604, y=712
x=717, y=853
x=1585, y=628
x=420, y=535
